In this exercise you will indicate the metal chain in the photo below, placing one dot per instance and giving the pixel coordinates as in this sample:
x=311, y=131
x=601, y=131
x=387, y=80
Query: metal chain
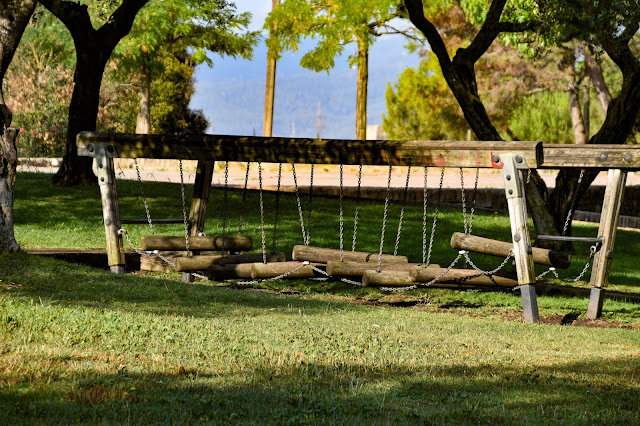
x=464, y=204
x=144, y=199
x=224, y=204
x=424, y=217
x=573, y=204
x=295, y=184
x=473, y=201
x=122, y=231
x=491, y=272
x=584, y=270
x=184, y=209
x=275, y=220
x=404, y=204
x=244, y=198
x=355, y=216
x=264, y=247
x=310, y=205
x=427, y=284
x=435, y=219
x=341, y=213
x=384, y=220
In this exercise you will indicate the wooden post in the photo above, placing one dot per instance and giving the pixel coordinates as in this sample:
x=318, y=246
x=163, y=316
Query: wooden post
x=607, y=229
x=110, y=208
x=199, y=201
x=522, y=250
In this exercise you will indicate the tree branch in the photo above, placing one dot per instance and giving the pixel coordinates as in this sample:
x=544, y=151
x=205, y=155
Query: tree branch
x=416, y=15
x=73, y=15
x=485, y=37
x=119, y=23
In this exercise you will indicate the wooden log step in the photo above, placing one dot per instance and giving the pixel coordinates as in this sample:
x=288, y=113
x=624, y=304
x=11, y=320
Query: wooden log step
x=501, y=248
x=387, y=279
x=203, y=262
x=272, y=270
x=154, y=263
x=335, y=268
x=324, y=255
x=229, y=271
x=421, y=274
x=197, y=243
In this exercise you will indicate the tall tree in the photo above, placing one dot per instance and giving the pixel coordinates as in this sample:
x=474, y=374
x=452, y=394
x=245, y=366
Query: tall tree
x=335, y=23
x=93, y=49
x=171, y=27
x=610, y=27
x=14, y=17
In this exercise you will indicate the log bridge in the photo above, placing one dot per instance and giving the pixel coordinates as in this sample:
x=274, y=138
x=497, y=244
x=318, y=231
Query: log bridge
x=513, y=158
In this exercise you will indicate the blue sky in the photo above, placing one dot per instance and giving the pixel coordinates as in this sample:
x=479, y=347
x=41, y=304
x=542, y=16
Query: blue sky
x=231, y=94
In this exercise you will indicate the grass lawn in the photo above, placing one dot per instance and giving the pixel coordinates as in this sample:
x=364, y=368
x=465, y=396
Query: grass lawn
x=80, y=345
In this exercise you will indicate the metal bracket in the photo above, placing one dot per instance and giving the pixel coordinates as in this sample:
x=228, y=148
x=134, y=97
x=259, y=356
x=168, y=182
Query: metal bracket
x=102, y=163
x=511, y=173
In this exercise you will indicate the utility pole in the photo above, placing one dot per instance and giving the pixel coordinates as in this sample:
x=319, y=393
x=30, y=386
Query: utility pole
x=319, y=125
x=270, y=88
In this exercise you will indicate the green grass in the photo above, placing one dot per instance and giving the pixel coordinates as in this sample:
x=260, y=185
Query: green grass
x=80, y=345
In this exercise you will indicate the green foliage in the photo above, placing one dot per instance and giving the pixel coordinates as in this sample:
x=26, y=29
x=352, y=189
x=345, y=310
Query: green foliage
x=421, y=106
x=543, y=117
x=335, y=23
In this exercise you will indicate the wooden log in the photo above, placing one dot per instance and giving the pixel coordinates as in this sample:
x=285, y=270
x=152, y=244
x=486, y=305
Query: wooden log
x=163, y=242
x=154, y=263
x=203, y=262
x=324, y=255
x=459, y=276
x=230, y=271
x=272, y=270
x=387, y=279
x=309, y=151
x=335, y=268
x=591, y=156
x=501, y=248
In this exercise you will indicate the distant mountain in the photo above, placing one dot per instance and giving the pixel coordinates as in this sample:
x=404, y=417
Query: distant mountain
x=231, y=94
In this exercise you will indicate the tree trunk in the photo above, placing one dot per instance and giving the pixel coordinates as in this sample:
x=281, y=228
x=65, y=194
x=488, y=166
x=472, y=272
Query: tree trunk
x=361, y=95
x=270, y=88
x=83, y=113
x=594, y=71
x=586, y=106
x=143, y=124
x=8, y=162
x=577, y=121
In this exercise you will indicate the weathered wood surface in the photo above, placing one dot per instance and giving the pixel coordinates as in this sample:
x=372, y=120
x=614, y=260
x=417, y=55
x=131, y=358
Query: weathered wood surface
x=310, y=151
x=387, y=279
x=8, y=163
x=591, y=156
x=324, y=255
x=111, y=214
x=608, y=224
x=229, y=272
x=205, y=261
x=421, y=274
x=200, y=197
x=336, y=268
x=154, y=263
x=198, y=243
x=488, y=246
x=272, y=270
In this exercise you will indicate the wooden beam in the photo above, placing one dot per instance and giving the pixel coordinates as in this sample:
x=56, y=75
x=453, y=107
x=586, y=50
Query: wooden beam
x=591, y=156
x=309, y=151
x=501, y=249
x=421, y=274
x=608, y=225
x=204, y=261
x=335, y=268
x=387, y=279
x=203, y=243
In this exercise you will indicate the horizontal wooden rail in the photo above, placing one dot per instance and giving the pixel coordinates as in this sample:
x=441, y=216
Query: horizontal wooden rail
x=308, y=151
x=591, y=156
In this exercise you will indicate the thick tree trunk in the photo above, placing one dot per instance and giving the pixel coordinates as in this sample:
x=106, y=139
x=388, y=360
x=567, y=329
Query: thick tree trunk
x=575, y=111
x=83, y=113
x=8, y=162
x=270, y=89
x=143, y=123
x=586, y=106
x=595, y=72
x=361, y=95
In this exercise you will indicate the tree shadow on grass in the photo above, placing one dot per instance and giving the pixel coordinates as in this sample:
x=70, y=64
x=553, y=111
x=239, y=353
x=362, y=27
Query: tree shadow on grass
x=569, y=393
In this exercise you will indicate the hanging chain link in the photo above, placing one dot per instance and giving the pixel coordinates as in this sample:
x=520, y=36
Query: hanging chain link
x=473, y=201
x=341, y=213
x=295, y=184
x=404, y=204
x=384, y=219
x=592, y=253
x=275, y=220
x=572, y=206
x=144, y=199
x=464, y=203
x=424, y=217
x=310, y=205
x=184, y=209
x=244, y=198
x=357, y=212
x=264, y=247
x=435, y=219
x=224, y=204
